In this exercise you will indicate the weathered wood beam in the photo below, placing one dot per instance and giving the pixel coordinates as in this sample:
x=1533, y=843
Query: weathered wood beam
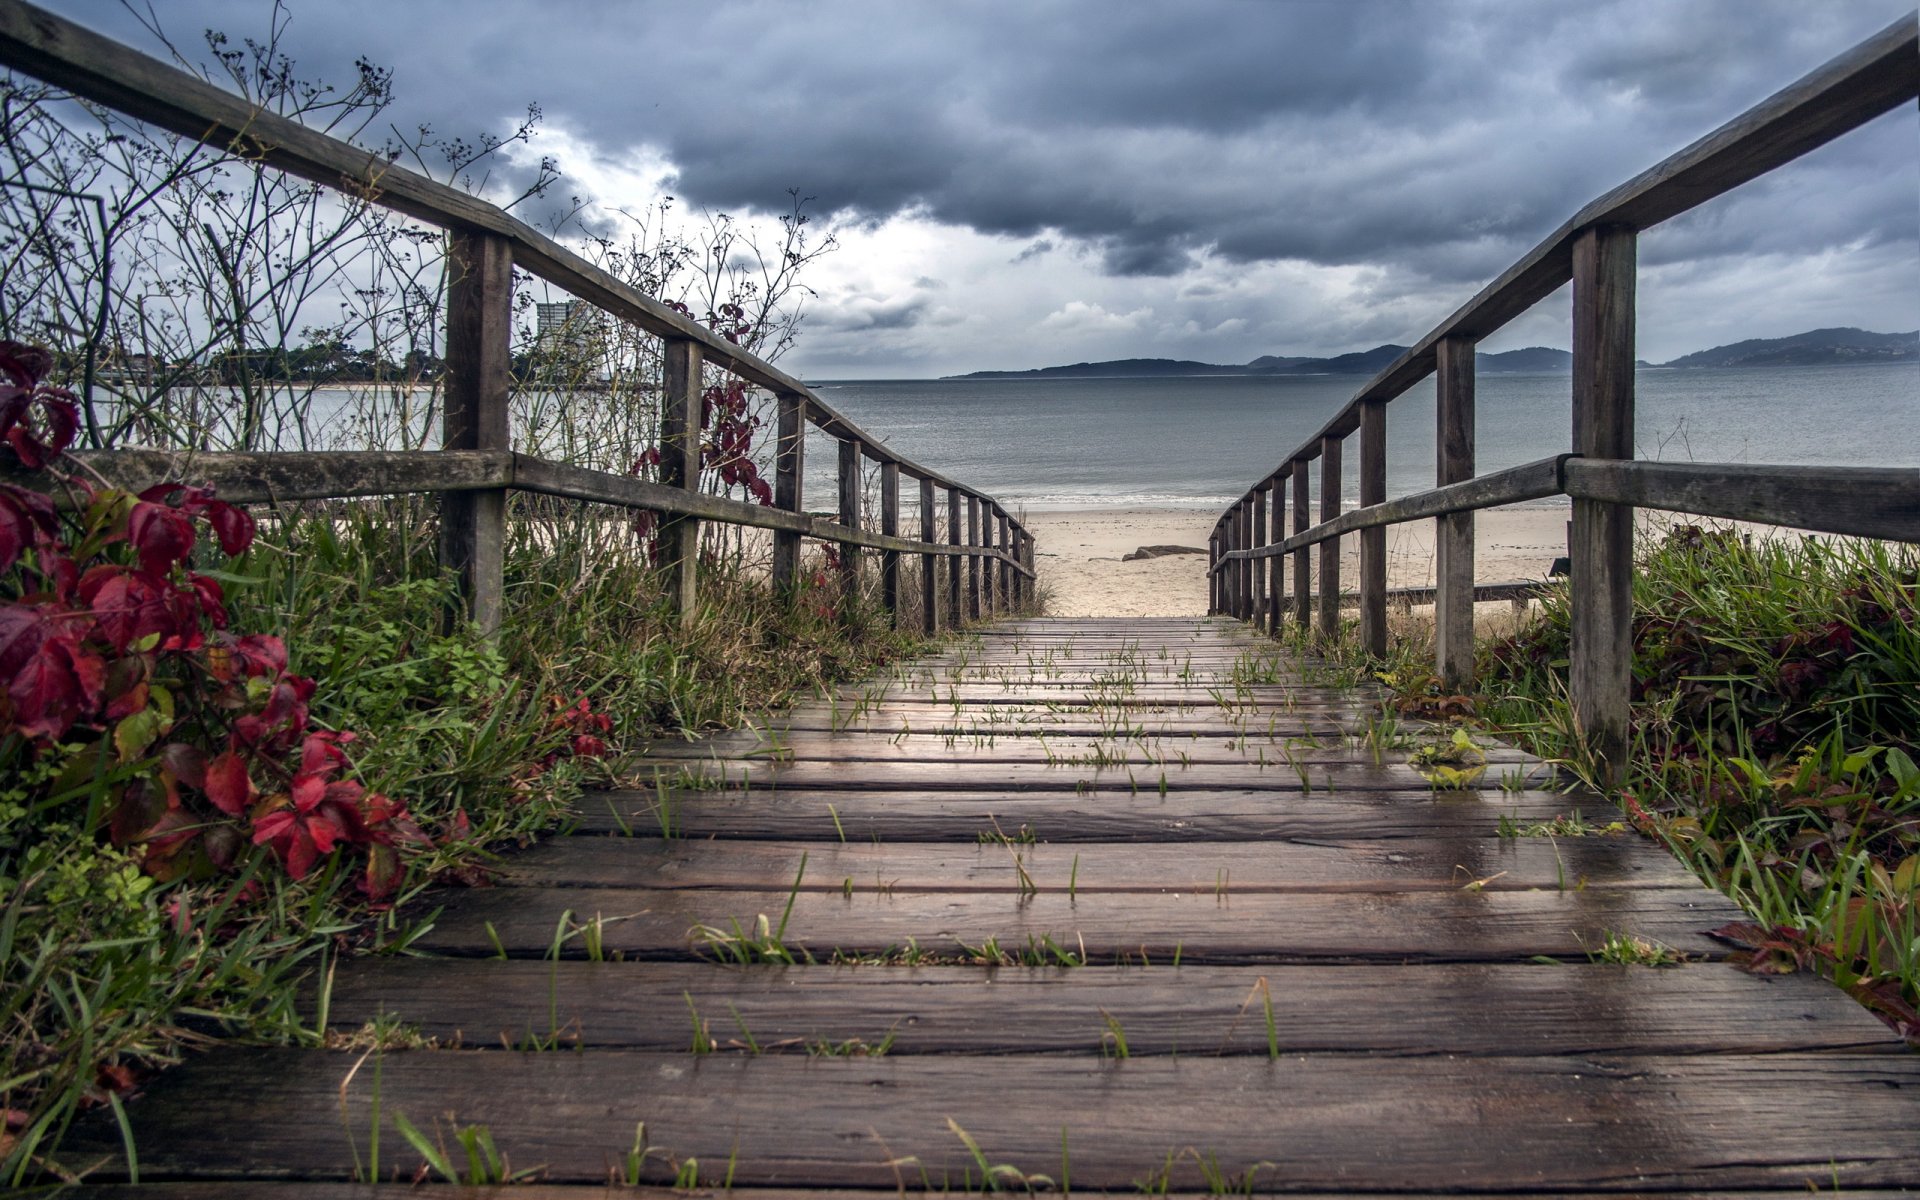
x=850, y=517
x=1373, y=540
x=1874, y=502
x=1302, y=566
x=1600, y=677
x=1330, y=549
x=890, y=527
x=789, y=473
x=479, y=332
x=929, y=578
x=1454, y=532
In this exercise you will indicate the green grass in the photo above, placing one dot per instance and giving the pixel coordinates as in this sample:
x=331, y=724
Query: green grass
x=1775, y=731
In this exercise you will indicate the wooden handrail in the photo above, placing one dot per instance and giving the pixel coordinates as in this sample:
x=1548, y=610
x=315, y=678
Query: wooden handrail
x=1596, y=249
x=268, y=477
x=477, y=469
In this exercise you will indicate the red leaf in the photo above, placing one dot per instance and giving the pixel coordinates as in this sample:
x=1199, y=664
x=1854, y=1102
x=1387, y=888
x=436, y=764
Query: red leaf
x=161, y=536
x=228, y=785
x=233, y=526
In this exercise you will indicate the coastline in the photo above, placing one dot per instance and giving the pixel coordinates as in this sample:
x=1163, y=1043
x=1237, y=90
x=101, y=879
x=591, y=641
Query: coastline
x=1080, y=551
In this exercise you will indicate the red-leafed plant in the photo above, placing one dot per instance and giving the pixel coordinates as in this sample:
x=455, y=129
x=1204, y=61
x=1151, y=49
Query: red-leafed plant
x=187, y=741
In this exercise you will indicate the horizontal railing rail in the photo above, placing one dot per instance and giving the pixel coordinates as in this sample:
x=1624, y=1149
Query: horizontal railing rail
x=477, y=468
x=1251, y=546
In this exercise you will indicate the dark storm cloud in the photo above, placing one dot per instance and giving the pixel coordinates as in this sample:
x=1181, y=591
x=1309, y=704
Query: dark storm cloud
x=1442, y=138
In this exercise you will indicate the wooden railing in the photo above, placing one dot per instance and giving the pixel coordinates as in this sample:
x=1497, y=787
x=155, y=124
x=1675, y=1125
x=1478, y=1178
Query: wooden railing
x=1251, y=546
x=476, y=466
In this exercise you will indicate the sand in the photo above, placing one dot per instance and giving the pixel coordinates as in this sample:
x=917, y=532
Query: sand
x=1080, y=552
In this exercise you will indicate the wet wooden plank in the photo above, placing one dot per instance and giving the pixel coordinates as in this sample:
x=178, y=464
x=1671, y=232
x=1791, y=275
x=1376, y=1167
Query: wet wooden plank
x=1213, y=925
x=1455, y=1008
x=275, y=1190
x=1780, y=1121
x=1621, y=860
x=1309, y=771
x=1090, y=815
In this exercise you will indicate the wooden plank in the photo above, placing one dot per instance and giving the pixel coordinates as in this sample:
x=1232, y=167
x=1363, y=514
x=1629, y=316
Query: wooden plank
x=473, y=524
x=680, y=425
x=1442, y=1008
x=956, y=612
x=1454, y=594
x=1304, y=774
x=1877, y=502
x=1104, y=928
x=1712, y=1122
x=1600, y=546
x=206, y=1189
x=784, y=756
x=789, y=480
x=1093, y=815
x=1620, y=860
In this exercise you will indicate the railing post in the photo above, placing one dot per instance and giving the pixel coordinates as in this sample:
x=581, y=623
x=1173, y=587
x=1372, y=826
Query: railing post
x=989, y=597
x=1237, y=573
x=1019, y=580
x=1276, y=566
x=1329, y=549
x=680, y=467
x=473, y=525
x=1005, y=590
x=955, y=528
x=1373, y=542
x=1213, y=574
x=1302, y=558
x=789, y=462
x=1257, y=538
x=973, y=561
x=850, y=516
x=1601, y=584
x=929, y=581
x=890, y=526
x=1453, y=533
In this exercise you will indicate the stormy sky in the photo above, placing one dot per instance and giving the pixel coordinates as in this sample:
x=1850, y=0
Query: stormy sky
x=1021, y=184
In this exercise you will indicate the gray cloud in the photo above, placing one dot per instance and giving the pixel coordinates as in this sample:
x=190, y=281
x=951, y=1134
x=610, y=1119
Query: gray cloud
x=1436, y=140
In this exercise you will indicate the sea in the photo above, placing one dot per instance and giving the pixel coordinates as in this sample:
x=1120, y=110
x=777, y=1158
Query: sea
x=1199, y=441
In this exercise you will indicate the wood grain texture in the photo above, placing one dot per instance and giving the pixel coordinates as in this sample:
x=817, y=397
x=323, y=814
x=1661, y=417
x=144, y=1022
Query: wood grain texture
x=1877, y=502
x=789, y=486
x=1453, y=532
x=1373, y=542
x=1440, y=864
x=681, y=420
x=1092, y=815
x=1107, y=928
x=1786, y=1121
x=1452, y=1008
x=479, y=332
x=1600, y=547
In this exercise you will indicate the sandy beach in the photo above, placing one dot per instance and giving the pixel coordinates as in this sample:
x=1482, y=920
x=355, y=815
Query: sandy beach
x=1080, y=556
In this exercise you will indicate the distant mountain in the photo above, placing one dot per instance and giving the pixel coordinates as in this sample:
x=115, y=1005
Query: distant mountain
x=1816, y=347
x=1135, y=367
x=1534, y=360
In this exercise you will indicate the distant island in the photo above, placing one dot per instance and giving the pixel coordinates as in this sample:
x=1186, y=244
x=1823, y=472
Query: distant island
x=1817, y=347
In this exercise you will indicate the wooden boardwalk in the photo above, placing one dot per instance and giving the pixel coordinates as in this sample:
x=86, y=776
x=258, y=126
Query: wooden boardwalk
x=1127, y=904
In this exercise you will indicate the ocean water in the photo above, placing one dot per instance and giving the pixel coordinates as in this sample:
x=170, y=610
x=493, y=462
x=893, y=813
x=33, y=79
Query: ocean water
x=1198, y=442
